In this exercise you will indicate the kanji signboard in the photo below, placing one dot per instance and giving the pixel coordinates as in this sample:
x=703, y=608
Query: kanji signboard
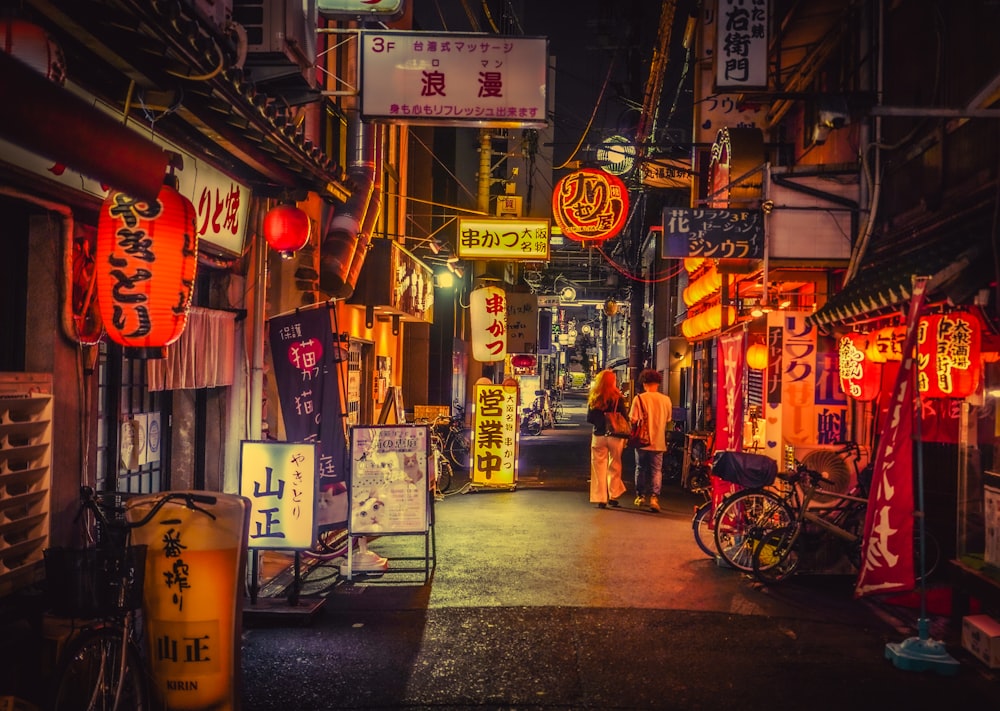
x=499, y=238
x=712, y=233
x=454, y=79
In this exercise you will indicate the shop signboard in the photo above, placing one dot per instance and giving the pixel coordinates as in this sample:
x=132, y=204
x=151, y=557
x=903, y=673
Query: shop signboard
x=525, y=239
x=389, y=482
x=453, y=79
x=522, y=323
x=494, y=435
x=279, y=480
x=712, y=233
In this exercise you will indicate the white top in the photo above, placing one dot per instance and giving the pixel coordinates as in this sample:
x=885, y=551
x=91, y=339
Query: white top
x=659, y=414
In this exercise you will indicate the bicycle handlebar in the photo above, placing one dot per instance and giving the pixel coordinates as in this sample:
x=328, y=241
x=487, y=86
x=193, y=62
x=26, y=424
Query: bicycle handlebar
x=192, y=500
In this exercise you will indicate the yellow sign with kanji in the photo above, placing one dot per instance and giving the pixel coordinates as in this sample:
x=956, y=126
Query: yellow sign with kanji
x=498, y=238
x=494, y=436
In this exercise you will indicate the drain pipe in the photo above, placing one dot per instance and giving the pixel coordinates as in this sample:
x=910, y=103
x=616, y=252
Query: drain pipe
x=341, y=241
x=374, y=208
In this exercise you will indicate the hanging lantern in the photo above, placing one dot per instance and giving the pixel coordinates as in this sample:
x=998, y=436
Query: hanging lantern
x=590, y=205
x=757, y=356
x=146, y=256
x=948, y=359
x=610, y=307
x=859, y=377
x=876, y=349
x=488, y=318
x=523, y=361
x=33, y=46
x=286, y=229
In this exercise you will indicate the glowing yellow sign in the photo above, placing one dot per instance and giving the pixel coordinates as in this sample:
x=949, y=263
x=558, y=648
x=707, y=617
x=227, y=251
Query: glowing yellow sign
x=498, y=238
x=494, y=436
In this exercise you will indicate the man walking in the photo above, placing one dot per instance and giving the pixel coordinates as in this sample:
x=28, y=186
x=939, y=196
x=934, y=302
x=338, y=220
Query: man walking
x=657, y=408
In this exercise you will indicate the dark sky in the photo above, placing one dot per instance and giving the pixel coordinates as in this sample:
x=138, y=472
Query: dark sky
x=585, y=37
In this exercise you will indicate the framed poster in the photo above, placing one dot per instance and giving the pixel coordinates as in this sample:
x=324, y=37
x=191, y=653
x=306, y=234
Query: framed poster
x=389, y=482
x=279, y=479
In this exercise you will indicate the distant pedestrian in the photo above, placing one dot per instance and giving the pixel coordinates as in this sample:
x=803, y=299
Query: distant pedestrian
x=605, y=450
x=649, y=460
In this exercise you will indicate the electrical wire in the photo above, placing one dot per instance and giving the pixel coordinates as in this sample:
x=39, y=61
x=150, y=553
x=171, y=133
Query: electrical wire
x=593, y=115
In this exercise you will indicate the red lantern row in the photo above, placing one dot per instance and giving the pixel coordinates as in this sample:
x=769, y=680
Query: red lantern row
x=146, y=256
x=949, y=360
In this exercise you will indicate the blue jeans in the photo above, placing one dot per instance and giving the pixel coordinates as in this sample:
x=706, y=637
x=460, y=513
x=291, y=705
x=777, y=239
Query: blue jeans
x=648, y=472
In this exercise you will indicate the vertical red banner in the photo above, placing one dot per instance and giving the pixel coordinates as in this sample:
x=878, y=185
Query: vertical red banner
x=730, y=389
x=887, y=552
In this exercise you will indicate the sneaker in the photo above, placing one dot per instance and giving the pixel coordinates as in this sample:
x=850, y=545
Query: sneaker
x=613, y=503
x=654, y=504
x=640, y=501
x=602, y=505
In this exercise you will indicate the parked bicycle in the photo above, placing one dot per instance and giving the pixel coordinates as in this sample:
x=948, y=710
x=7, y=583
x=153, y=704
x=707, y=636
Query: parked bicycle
x=451, y=437
x=817, y=537
x=442, y=464
x=103, y=668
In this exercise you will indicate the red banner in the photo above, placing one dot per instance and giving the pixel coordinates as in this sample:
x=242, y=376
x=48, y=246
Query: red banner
x=729, y=406
x=887, y=551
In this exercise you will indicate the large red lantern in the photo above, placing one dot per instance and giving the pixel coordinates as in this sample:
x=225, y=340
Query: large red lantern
x=286, y=229
x=860, y=378
x=32, y=45
x=948, y=358
x=590, y=205
x=147, y=256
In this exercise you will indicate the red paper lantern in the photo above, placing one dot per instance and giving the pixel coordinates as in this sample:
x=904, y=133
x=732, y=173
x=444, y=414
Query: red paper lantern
x=590, y=205
x=147, y=256
x=523, y=361
x=32, y=45
x=286, y=229
x=948, y=358
x=860, y=378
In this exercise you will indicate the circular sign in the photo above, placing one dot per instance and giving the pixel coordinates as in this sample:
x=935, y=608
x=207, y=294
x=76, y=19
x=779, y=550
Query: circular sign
x=617, y=155
x=590, y=205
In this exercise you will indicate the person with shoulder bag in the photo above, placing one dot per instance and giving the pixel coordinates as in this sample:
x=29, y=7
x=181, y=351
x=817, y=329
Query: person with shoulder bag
x=604, y=402
x=656, y=409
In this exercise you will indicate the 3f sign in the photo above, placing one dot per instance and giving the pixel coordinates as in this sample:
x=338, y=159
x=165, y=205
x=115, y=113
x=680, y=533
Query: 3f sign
x=379, y=45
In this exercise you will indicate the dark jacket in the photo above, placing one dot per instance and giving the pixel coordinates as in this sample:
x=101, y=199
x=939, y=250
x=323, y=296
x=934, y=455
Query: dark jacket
x=596, y=417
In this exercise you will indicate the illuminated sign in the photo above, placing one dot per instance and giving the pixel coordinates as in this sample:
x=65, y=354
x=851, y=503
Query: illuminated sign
x=279, y=479
x=454, y=79
x=488, y=319
x=590, y=205
x=353, y=9
x=494, y=435
x=497, y=238
x=389, y=483
x=741, y=44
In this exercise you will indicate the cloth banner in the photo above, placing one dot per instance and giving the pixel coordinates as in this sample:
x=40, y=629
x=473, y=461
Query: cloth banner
x=887, y=550
x=304, y=361
x=731, y=385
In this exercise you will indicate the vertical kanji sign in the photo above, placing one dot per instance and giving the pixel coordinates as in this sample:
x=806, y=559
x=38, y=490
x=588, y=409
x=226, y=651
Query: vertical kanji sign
x=488, y=316
x=494, y=435
x=279, y=479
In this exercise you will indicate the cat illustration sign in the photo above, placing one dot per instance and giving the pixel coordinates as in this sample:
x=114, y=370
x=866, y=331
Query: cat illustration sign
x=389, y=487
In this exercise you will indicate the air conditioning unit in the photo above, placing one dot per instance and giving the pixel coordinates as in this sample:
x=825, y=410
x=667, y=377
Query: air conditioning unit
x=278, y=31
x=217, y=13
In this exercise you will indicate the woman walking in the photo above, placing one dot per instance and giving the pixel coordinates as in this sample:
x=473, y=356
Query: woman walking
x=605, y=450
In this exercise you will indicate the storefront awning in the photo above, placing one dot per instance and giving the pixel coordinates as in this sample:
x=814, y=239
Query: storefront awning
x=957, y=256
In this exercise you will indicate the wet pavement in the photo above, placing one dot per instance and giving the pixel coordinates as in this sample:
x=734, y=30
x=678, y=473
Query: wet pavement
x=538, y=599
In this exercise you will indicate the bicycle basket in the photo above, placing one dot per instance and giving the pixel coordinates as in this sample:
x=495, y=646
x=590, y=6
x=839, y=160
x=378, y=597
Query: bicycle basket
x=745, y=468
x=83, y=582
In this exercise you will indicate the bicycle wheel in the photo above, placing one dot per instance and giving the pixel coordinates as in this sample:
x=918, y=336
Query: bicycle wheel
x=87, y=677
x=460, y=449
x=777, y=557
x=443, y=478
x=701, y=524
x=743, y=521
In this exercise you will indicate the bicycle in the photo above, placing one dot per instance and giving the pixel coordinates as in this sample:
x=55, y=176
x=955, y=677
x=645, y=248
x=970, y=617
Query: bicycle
x=442, y=464
x=809, y=536
x=811, y=530
x=103, y=668
x=456, y=438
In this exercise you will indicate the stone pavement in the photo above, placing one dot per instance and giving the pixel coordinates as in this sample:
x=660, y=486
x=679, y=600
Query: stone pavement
x=540, y=600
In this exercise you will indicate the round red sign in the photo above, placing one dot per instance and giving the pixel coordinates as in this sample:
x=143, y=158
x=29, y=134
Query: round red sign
x=590, y=205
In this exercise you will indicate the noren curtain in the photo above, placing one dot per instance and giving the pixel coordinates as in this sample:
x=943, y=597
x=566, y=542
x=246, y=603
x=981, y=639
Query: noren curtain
x=201, y=358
